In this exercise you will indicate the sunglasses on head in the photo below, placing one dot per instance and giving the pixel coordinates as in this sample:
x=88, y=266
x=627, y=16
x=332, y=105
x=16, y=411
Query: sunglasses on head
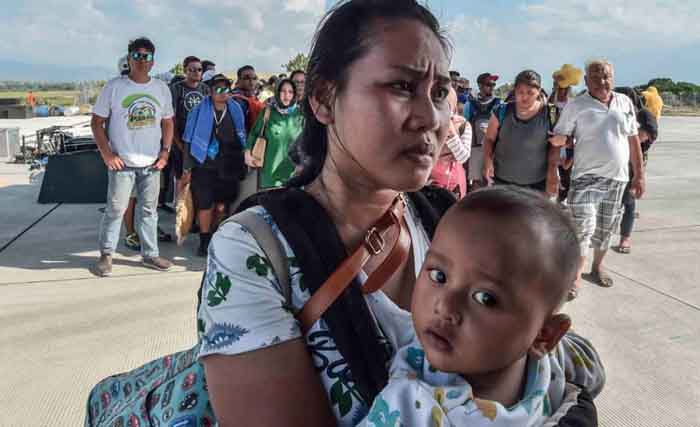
x=222, y=90
x=138, y=56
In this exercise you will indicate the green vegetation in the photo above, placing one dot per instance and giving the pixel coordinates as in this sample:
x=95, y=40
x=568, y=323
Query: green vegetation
x=55, y=97
x=299, y=62
x=666, y=85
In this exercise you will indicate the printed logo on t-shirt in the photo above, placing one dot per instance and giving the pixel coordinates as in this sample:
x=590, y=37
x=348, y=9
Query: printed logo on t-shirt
x=192, y=99
x=141, y=110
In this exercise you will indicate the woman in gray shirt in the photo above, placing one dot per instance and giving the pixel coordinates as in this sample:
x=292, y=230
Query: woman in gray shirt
x=517, y=149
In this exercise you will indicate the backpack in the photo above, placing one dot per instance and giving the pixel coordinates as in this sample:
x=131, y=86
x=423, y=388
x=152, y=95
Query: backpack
x=480, y=118
x=509, y=108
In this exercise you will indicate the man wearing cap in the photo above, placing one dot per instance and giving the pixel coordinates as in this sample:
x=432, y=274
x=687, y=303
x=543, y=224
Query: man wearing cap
x=140, y=111
x=478, y=111
x=186, y=94
x=245, y=93
x=213, y=157
x=604, y=126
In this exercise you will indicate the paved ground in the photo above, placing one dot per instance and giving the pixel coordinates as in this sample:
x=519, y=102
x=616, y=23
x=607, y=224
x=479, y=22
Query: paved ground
x=63, y=329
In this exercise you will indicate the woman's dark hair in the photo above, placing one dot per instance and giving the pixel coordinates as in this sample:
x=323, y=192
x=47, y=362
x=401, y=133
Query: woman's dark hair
x=141, y=43
x=530, y=78
x=533, y=211
x=343, y=36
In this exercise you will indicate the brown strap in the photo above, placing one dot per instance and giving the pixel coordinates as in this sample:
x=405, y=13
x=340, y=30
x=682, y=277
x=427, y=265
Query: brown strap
x=373, y=245
x=266, y=118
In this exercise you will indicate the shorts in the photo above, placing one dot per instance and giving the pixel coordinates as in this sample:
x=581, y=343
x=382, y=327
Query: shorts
x=596, y=205
x=208, y=188
x=175, y=163
x=476, y=163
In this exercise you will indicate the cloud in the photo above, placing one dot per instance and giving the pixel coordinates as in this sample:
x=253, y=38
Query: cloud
x=90, y=33
x=312, y=6
x=642, y=36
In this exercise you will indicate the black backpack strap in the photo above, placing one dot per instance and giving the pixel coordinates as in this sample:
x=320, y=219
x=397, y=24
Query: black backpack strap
x=319, y=250
x=432, y=202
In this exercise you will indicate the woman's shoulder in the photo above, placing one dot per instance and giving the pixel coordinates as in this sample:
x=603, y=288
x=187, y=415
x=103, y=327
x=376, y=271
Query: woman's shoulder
x=244, y=307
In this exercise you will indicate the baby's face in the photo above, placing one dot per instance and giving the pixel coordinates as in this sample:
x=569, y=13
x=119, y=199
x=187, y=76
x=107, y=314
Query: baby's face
x=478, y=303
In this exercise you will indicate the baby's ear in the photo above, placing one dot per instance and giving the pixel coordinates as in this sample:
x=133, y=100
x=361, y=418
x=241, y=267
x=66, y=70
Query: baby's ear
x=554, y=328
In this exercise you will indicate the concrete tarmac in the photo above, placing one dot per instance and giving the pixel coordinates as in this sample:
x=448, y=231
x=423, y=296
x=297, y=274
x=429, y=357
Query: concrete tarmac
x=63, y=329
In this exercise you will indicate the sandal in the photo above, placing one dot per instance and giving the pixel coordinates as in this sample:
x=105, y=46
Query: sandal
x=572, y=294
x=600, y=278
x=626, y=250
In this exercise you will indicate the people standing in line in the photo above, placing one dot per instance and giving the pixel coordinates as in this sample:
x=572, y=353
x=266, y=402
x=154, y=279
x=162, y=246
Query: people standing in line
x=208, y=66
x=604, y=126
x=186, y=94
x=648, y=133
x=299, y=79
x=478, y=111
x=279, y=124
x=214, y=139
x=139, y=109
x=246, y=94
x=516, y=147
x=448, y=172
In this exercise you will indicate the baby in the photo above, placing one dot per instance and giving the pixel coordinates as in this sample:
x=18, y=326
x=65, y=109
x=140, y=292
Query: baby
x=488, y=345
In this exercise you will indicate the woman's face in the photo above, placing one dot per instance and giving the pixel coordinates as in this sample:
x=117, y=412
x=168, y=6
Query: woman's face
x=526, y=95
x=391, y=119
x=286, y=94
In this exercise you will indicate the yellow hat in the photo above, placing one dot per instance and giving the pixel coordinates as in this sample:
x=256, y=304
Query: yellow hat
x=653, y=101
x=567, y=76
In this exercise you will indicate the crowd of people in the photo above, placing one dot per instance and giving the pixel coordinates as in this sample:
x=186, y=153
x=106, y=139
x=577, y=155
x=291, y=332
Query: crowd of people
x=451, y=202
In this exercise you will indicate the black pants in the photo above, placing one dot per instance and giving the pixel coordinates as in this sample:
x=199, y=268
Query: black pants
x=629, y=204
x=564, y=183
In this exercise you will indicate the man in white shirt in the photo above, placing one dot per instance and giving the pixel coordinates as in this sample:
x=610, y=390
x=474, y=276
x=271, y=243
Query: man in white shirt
x=140, y=114
x=604, y=126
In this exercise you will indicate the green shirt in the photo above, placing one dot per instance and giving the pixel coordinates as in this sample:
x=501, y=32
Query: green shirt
x=282, y=130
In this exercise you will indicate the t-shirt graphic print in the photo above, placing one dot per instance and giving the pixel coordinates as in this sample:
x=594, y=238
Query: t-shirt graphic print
x=135, y=112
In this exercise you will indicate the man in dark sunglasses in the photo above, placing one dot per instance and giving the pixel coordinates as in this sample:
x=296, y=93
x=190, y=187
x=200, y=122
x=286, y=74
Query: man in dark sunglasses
x=186, y=94
x=214, y=163
x=135, y=149
x=245, y=94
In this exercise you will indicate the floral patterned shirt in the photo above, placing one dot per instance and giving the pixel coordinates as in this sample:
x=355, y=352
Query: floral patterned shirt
x=419, y=395
x=243, y=309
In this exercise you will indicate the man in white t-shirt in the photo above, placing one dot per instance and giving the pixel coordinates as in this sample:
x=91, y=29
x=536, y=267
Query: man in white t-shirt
x=604, y=125
x=140, y=114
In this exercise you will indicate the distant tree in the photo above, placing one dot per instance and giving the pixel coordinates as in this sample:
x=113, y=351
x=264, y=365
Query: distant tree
x=669, y=86
x=503, y=90
x=299, y=62
x=178, y=70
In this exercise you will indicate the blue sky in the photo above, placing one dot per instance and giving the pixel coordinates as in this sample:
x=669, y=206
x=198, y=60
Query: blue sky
x=643, y=38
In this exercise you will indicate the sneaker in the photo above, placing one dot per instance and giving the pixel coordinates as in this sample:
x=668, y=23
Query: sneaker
x=104, y=266
x=157, y=263
x=132, y=242
x=163, y=236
